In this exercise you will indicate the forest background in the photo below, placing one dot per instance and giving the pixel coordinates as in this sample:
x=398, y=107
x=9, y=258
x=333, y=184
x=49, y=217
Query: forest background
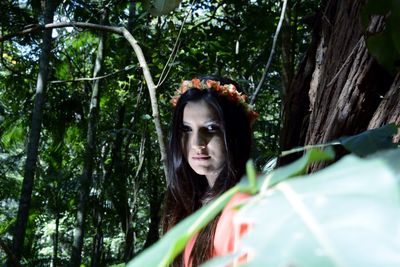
x=81, y=173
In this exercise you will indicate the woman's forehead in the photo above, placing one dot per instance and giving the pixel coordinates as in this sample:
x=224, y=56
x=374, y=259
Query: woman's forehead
x=199, y=112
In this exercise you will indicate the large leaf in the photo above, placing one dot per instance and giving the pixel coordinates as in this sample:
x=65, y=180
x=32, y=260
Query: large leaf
x=345, y=215
x=370, y=141
x=297, y=167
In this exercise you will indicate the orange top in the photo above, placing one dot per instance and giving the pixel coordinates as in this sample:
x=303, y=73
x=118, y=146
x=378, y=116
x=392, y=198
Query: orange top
x=227, y=233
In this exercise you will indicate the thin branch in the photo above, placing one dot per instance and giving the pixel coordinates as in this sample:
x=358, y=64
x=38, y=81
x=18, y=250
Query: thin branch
x=174, y=52
x=56, y=25
x=153, y=99
x=169, y=69
x=141, y=154
x=168, y=65
x=307, y=147
x=278, y=29
x=95, y=78
x=71, y=62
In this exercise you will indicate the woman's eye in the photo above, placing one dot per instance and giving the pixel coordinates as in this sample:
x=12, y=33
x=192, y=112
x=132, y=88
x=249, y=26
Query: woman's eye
x=185, y=128
x=212, y=128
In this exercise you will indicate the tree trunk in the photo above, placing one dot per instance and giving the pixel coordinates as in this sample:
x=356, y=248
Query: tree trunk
x=97, y=246
x=90, y=150
x=342, y=94
x=55, y=241
x=389, y=108
x=155, y=205
x=117, y=169
x=295, y=110
x=287, y=47
x=34, y=135
x=55, y=176
x=155, y=200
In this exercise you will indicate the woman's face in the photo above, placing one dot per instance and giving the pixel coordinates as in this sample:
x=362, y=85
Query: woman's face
x=203, y=141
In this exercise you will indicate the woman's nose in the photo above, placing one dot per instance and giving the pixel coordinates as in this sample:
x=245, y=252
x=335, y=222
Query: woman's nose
x=198, y=140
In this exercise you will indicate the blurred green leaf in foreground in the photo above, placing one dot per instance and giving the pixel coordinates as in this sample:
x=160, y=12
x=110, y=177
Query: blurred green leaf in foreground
x=345, y=215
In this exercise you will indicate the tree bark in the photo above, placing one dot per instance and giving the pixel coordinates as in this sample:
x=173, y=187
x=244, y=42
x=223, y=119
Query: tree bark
x=116, y=171
x=388, y=110
x=155, y=207
x=97, y=246
x=34, y=135
x=155, y=200
x=55, y=241
x=55, y=176
x=117, y=179
x=11, y=259
x=90, y=151
x=343, y=92
x=295, y=102
x=287, y=48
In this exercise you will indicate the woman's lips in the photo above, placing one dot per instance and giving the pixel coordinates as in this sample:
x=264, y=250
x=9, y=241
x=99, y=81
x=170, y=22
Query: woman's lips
x=201, y=157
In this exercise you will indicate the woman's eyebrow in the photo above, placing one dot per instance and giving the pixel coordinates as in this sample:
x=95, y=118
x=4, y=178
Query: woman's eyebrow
x=205, y=123
x=212, y=122
x=185, y=123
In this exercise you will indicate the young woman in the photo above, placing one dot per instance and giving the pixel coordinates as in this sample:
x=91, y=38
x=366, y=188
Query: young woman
x=209, y=145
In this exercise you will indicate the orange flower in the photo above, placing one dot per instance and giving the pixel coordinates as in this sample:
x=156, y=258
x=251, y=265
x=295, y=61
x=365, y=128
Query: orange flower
x=196, y=83
x=219, y=88
x=212, y=84
x=174, y=101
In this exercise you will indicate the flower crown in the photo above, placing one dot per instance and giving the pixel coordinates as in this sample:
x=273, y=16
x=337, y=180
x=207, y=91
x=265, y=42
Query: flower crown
x=228, y=90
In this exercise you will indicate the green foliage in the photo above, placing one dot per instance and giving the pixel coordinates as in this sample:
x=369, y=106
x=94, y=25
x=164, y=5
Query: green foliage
x=8, y=207
x=13, y=135
x=384, y=45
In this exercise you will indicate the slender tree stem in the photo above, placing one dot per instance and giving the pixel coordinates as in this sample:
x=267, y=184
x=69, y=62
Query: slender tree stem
x=264, y=75
x=174, y=52
x=90, y=151
x=95, y=78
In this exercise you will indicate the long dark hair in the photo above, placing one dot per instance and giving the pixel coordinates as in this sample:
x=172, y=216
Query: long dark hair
x=186, y=190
